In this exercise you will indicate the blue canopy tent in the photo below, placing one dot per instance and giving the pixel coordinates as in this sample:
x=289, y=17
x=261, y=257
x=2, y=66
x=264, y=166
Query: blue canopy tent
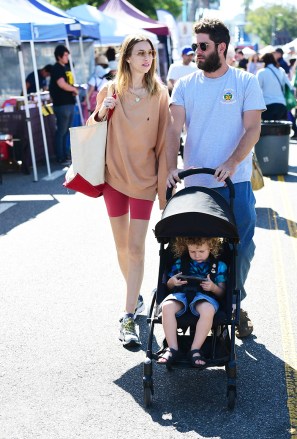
x=34, y=25
x=38, y=21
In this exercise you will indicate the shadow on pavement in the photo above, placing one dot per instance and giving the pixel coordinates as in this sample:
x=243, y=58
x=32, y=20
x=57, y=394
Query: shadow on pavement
x=266, y=217
x=194, y=401
x=18, y=184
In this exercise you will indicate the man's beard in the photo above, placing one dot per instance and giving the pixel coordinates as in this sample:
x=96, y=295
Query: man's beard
x=211, y=64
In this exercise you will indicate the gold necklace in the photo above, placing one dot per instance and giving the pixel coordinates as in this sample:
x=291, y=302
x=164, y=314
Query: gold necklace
x=137, y=97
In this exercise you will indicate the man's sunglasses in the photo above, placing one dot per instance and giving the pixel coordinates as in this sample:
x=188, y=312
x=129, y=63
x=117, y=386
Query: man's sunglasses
x=202, y=46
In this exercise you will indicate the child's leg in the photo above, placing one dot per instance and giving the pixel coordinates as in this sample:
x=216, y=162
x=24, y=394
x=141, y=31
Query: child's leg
x=204, y=324
x=169, y=309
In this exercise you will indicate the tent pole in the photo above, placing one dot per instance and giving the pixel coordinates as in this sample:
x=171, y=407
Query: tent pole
x=72, y=69
x=40, y=107
x=27, y=112
x=82, y=53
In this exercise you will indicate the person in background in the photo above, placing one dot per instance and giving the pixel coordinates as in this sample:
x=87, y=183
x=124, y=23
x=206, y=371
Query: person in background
x=110, y=54
x=223, y=126
x=63, y=95
x=181, y=68
x=241, y=60
x=95, y=83
x=230, y=57
x=254, y=64
x=278, y=55
x=272, y=80
x=136, y=167
x=43, y=74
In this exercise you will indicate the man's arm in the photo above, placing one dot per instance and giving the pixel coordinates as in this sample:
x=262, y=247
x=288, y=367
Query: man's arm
x=252, y=125
x=176, y=123
x=65, y=86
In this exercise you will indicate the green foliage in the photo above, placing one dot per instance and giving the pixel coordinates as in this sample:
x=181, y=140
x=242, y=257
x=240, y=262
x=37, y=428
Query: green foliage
x=265, y=21
x=148, y=7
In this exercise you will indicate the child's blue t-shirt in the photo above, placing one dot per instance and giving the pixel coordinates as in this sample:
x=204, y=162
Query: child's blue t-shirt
x=201, y=269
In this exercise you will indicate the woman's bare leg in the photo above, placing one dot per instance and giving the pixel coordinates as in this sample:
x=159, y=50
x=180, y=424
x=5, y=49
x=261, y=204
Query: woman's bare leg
x=136, y=252
x=120, y=230
x=129, y=237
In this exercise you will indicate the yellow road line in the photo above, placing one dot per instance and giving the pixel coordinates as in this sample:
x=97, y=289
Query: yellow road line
x=288, y=342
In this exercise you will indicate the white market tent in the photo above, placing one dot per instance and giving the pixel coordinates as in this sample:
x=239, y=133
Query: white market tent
x=38, y=21
x=34, y=25
x=112, y=31
x=10, y=36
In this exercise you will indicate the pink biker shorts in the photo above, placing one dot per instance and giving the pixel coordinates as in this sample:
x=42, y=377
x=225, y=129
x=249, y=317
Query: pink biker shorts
x=118, y=204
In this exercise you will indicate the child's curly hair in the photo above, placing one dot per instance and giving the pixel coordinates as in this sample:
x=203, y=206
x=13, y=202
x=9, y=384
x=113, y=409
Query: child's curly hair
x=181, y=243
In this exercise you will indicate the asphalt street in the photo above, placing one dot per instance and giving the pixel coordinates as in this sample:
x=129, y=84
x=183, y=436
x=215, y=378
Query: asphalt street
x=63, y=372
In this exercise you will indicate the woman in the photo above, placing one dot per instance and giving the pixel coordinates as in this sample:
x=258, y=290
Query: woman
x=254, y=64
x=272, y=80
x=135, y=162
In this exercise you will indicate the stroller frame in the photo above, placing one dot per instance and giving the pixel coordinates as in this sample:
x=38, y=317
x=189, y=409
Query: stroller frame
x=221, y=343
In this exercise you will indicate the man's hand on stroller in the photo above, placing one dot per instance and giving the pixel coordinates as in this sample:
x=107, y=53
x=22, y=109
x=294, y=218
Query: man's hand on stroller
x=226, y=169
x=174, y=281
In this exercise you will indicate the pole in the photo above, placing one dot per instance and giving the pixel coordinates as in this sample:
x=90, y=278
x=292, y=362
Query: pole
x=27, y=112
x=40, y=108
x=72, y=69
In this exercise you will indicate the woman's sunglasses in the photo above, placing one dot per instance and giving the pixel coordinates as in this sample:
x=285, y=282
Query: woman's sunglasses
x=202, y=46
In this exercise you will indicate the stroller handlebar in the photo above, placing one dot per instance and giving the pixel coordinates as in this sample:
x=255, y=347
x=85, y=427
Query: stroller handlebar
x=194, y=171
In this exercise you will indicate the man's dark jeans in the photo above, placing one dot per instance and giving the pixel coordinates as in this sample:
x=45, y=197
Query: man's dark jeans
x=64, y=117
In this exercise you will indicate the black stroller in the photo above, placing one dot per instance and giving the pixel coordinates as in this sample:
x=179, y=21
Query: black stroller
x=198, y=211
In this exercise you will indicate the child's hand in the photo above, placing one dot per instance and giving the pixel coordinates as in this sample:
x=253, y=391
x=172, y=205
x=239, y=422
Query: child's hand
x=208, y=285
x=175, y=282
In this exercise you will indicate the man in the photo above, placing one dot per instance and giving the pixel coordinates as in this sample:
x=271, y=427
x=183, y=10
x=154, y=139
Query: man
x=242, y=61
x=63, y=94
x=43, y=73
x=181, y=68
x=221, y=106
x=278, y=55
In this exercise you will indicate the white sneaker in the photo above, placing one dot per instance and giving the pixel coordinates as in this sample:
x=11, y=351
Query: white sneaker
x=140, y=306
x=128, y=335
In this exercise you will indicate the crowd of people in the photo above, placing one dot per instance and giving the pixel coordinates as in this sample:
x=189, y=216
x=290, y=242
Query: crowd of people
x=143, y=143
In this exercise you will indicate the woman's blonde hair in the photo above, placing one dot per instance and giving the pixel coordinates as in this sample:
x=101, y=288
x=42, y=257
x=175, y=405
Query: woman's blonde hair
x=123, y=77
x=181, y=243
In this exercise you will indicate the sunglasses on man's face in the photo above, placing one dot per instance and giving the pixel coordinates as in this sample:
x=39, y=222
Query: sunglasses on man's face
x=202, y=46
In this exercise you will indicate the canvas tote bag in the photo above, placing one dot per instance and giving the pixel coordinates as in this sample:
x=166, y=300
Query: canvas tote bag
x=88, y=144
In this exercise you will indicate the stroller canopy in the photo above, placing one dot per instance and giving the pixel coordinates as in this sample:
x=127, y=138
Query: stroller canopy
x=197, y=211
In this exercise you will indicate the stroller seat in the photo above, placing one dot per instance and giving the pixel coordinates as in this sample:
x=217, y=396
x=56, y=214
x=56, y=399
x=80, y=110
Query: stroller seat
x=197, y=212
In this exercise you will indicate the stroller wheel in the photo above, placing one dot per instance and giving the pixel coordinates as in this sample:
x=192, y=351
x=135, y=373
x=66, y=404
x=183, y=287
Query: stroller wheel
x=231, y=398
x=148, y=397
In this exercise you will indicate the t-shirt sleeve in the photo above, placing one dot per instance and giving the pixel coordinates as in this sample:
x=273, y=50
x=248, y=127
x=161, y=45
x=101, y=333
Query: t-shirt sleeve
x=177, y=96
x=222, y=272
x=175, y=268
x=253, y=97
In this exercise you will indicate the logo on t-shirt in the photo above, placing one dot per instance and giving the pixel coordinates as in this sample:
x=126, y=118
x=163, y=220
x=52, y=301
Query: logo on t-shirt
x=69, y=77
x=228, y=97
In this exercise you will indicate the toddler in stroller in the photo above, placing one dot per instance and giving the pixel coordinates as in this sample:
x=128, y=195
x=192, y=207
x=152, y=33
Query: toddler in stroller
x=203, y=215
x=204, y=277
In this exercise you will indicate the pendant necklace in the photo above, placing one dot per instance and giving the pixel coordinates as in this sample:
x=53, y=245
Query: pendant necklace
x=137, y=98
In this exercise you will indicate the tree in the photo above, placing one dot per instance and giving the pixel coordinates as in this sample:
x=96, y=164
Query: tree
x=275, y=24
x=148, y=7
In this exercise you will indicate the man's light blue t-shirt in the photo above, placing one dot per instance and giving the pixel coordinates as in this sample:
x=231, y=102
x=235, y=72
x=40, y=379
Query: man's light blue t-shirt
x=214, y=120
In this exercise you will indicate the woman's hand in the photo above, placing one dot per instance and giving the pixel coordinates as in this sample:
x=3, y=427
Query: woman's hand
x=109, y=102
x=175, y=282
